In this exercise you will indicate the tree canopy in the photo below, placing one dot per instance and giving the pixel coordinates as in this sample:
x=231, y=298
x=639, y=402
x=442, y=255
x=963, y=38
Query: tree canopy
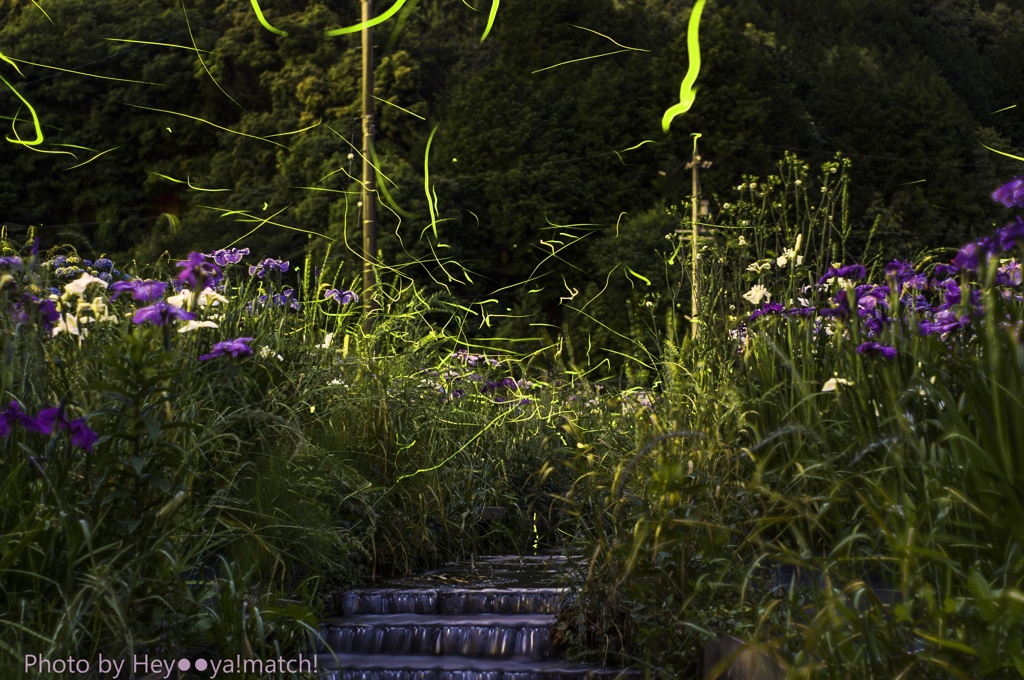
x=194, y=110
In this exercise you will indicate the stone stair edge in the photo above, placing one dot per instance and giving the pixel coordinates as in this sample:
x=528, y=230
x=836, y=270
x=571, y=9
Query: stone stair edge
x=373, y=590
x=449, y=663
x=455, y=620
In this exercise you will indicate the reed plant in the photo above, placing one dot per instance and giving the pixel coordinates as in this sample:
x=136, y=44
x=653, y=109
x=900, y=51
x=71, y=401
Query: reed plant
x=832, y=471
x=197, y=455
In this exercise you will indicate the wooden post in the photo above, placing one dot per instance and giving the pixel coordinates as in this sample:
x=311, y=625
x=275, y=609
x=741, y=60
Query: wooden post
x=695, y=287
x=369, y=193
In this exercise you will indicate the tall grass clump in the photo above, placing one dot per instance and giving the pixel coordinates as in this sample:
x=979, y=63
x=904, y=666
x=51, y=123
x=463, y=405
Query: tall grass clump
x=839, y=483
x=196, y=454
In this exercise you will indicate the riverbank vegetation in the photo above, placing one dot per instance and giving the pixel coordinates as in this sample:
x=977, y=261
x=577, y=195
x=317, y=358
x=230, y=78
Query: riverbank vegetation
x=203, y=438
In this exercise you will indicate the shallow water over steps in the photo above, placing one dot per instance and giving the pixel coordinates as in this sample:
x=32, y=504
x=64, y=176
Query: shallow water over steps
x=490, y=620
x=450, y=601
x=486, y=636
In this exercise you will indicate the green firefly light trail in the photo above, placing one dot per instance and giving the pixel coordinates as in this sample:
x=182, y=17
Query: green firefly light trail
x=490, y=19
x=263, y=20
x=369, y=24
x=688, y=93
x=35, y=119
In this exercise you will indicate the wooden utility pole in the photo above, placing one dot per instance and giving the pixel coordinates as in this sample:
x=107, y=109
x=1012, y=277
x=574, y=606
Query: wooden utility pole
x=369, y=178
x=695, y=287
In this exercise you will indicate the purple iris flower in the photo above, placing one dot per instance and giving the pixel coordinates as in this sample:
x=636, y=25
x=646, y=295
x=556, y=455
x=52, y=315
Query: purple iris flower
x=259, y=303
x=872, y=291
x=853, y=272
x=239, y=347
x=46, y=308
x=12, y=262
x=268, y=265
x=918, y=281
x=974, y=255
x=465, y=357
x=1008, y=236
x=14, y=414
x=142, y=291
x=905, y=275
x=199, y=273
x=874, y=325
x=945, y=321
x=286, y=298
x=44, y=422
x=10, y=416
x=802, y=311
x=767, y=308
x=18, y=313
x=877, y=348
x=918, y=303
x=899, y=269
x=226, y=256
x=950, y=290
x=510, y=383
x=840, y=309
x=1011, y=194
x=868, y=304
x=48, y=312
x=944, y=271
x=976, y=301
x=1009, y=274
x=342, y=297
x=82, y=435
x=160, y=313
x=829, y=273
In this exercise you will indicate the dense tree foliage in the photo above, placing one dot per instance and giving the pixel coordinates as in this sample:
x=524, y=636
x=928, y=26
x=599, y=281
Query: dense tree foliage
x=906, y=88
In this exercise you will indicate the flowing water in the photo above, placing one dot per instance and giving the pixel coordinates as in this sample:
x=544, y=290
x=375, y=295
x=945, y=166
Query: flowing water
x=489, y=620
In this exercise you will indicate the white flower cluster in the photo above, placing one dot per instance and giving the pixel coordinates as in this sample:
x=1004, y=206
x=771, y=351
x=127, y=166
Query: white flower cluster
x=71, y=322
x=756, y=294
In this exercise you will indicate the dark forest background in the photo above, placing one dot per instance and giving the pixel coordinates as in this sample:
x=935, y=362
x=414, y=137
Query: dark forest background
x=907, y=89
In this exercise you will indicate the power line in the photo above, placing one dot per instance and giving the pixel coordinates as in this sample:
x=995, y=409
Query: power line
x=849, y=155
x=488, y=173
x=85, y=224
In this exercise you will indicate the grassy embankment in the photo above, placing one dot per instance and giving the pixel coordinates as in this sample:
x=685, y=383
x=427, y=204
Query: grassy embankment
x=838, y=478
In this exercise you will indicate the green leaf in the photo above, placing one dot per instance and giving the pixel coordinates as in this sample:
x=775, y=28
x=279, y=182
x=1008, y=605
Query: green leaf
x=159, y=483
x=153, y=427
x=948, y=644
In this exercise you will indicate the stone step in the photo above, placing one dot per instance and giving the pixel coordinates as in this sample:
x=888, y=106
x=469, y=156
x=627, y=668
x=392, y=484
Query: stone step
x=491, y=619
x=449, y=601
x=496, y=636
x=423, y=667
